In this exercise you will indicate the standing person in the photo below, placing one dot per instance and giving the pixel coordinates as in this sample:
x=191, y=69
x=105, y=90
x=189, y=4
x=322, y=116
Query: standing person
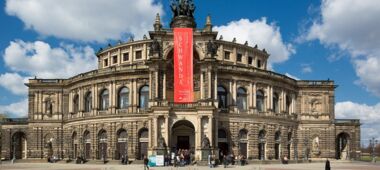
x=225, y=161
x=327, y=166
x=146, y=161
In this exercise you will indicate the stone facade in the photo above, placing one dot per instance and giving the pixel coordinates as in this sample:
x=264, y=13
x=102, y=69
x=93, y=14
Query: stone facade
x=126, y=108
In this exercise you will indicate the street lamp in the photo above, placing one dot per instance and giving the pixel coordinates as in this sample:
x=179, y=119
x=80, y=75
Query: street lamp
x=373, y=143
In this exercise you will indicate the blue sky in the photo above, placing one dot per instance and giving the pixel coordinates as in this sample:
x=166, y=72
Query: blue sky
x=314, y=40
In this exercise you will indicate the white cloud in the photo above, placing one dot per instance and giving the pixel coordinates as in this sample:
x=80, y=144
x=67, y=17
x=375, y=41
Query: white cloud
x=86, y=20
x=18, y=109
x=14, y=83
x=266, y=35
x=369, y=117
x=352, y=26
x=40, y=59
x=306, y=68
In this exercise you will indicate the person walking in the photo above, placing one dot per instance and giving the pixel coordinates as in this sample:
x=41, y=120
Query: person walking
x=146, y=161
x=327, y=166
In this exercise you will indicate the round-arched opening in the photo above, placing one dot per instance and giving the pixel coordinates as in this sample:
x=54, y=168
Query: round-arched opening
x=170, y=76
x=143, y=143
x=121, y=144
x=183, y=136
x=102, y=145
x=343, y=146
x=243, y=142
x=86, y=145
x=223, y=144
x=19, y=146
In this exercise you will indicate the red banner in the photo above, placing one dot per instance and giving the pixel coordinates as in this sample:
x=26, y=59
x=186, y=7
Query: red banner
x=183, y=65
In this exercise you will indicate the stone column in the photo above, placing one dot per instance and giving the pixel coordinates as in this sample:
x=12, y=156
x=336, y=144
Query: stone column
x=201, y=86
x=268, y=99
x=216, y=86
x=209, y=84
x=198, y=132
x=254, y=95
x=155, y=127
x=157, y=84
x=164, y=86
x=250, y=96
x=167, y=132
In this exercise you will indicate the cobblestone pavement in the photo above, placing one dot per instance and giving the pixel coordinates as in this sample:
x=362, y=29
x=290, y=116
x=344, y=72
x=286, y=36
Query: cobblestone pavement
x=309, y=166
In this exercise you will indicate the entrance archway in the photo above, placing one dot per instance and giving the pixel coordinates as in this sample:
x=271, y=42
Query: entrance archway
x=343, y=146
x=243, y=142
x=102, y=145
x=122, y=147
x=74, y=146
x=86, y=145
x=223, y=142
x=48, y=143
x=277, y=145
x=19, y=147
x=183, y=136
x=143, y=143
x=262, y=135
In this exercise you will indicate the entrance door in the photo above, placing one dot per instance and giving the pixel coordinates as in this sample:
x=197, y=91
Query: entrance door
x=103, y=151
x=183, y=142
x=262, y=151
x=75, y=151
x=120, y=150
x=277, y=151
x=143, y=149
x=243, y=149
x=223, y=149
x=87, y=151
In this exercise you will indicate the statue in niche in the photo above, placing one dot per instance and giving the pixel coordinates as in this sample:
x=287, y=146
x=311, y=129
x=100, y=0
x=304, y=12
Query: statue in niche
x=48, y=107
x=315, y=146
x=161, y=142
x=155, y=47
x=212, y=48
x=205, y=143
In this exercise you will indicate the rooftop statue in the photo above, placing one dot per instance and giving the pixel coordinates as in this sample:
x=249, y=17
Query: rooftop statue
x=182, y=8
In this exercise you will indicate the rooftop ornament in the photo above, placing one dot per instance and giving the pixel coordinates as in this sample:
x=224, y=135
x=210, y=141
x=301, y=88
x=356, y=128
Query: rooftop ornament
x=183, y=14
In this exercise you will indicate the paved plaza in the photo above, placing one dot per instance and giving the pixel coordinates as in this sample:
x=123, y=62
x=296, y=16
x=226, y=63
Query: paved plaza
x=308, y=166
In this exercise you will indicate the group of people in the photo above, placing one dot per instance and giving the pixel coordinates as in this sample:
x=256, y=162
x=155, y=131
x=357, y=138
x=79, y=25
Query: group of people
x=183, y=157
x=124, y=160
x=229, y=159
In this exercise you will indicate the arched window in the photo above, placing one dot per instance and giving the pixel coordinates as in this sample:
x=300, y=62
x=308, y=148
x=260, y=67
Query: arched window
x=288, y=103
x=104, y=100
x=144, y=97
x=260, y=101
x=88, y=102
x=222, y=97
x=124, y=98
x=275, y=103
x=76, y=104
x=241, y=99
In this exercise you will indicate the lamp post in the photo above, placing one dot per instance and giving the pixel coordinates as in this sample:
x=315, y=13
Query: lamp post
x=373, y=143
